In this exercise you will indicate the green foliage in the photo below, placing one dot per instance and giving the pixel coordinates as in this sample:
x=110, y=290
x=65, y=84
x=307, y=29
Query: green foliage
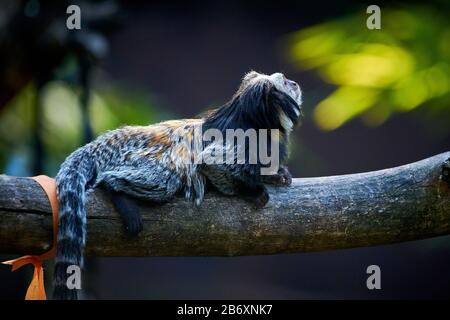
x=404, y=65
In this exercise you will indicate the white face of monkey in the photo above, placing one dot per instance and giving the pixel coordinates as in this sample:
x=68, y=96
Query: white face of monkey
x=289, y=87
x=283, y=84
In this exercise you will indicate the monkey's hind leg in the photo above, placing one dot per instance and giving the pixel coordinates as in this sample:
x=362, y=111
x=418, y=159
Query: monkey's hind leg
x=129, y=212
x=129, y=184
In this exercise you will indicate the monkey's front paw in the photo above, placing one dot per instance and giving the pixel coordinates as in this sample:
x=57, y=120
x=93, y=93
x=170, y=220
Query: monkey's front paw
x=286, y=177
x=282, y=178
x=261, y=200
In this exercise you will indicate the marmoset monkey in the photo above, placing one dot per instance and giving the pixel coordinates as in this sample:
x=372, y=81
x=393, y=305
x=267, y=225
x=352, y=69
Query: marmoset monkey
x=154, y=163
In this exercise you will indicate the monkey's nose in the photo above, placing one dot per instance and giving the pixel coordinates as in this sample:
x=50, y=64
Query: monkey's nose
x=293, y=83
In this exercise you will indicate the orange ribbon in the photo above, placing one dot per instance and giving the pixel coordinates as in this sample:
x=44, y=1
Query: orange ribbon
x=36, y=289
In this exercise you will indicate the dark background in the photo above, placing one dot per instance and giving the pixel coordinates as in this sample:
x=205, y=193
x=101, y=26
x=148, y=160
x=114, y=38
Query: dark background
x=188, y=57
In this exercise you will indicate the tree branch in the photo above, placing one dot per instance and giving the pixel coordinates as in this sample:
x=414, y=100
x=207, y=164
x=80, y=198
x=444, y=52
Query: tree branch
x=405, y=203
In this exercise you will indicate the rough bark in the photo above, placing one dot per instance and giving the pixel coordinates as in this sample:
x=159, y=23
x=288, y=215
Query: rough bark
x=404, y=203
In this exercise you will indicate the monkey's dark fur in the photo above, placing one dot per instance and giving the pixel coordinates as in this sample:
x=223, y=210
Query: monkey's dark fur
x=148, y=163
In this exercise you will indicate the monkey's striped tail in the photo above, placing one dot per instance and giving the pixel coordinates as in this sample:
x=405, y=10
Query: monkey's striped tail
x=75, y=173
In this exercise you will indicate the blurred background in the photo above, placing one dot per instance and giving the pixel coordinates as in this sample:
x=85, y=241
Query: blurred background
x=372, y=99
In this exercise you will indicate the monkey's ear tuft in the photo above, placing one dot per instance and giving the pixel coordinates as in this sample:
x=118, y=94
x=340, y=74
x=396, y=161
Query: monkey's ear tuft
x=284, y=106
x=250, y=75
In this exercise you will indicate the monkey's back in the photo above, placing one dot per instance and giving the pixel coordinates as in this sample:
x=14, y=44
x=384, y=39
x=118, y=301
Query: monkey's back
x=159, y=156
